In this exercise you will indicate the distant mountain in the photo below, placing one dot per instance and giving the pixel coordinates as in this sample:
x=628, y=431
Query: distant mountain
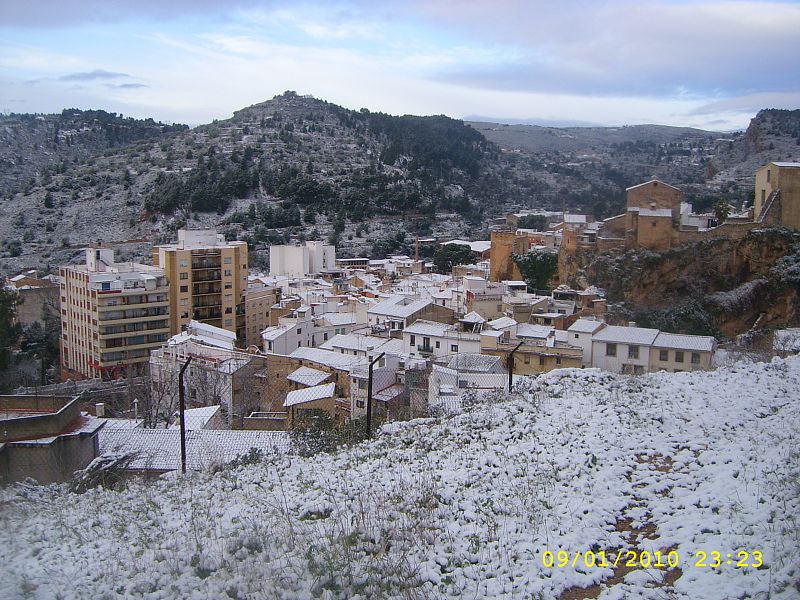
x=39, y=145
x=534, y=121
x=298, y=167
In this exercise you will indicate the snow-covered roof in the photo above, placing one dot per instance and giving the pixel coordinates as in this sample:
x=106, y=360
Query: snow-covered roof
x=389, y=393
x=122, y=424
x=398, y=306
x=473, y=317
x=492, y=333
x=353, y=341
x=574, y=218
x=337, y=319
x=697, y=343
x=196, y=418
x=502, y=323
x=307, y=376
x=311, y=394
x=476, y=363
x=328, y=358
x=160, y=449
x=651, y=182
x=585, y=326
x=795, y=165
x=626, y=335
x=528, y=330
x=423, y=327
x=271, y=334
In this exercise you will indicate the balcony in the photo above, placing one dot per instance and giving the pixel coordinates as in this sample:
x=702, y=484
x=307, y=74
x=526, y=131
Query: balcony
x=424, y=350
x=207, y=275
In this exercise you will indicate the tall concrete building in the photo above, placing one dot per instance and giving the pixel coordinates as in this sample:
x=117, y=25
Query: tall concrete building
x=207, y=278
x=112, y=315
x=301, y=261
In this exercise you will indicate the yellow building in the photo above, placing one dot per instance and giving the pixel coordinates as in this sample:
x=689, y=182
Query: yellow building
x=785, y=178
x=112, y=315
x=208, y=279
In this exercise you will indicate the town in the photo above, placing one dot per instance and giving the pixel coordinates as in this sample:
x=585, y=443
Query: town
x=197, y=351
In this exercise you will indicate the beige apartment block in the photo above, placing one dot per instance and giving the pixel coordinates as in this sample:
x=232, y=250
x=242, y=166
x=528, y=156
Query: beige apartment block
x=207, y=278
x=112, y=315
x=258, y=302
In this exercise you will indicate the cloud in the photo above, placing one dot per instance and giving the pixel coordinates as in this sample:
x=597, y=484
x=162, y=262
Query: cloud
x=750, y=103
x=97, y=74
x=127, y=86
x=694, y=49
x=59, y=14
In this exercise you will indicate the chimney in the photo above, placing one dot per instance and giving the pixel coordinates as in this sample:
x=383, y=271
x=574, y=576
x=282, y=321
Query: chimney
x=100, y=409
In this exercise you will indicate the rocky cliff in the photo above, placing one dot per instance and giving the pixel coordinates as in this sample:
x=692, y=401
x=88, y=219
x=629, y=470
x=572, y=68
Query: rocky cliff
x=720, y=286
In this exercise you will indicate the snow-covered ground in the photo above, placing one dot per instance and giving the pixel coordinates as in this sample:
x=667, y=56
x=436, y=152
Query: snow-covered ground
x=462, y=506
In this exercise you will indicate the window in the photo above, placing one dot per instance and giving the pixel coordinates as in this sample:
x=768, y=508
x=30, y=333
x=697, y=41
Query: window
x=184, y=276
x=227, y=260
x=633, y=351
x=413, y=340
x=269, y=345
x=768, y=174
x=229, y=322
x=577, y=336
x=499, y=308
x=611, y=349
x=678, y=356
x=184, y=289
x=438, y=345
x=696, y=355
x=663, y=355
x=360, y=403
x=453, y=347
x=228, y=286
x=228, y=272
x=654, y=223
x=184, y=263
x=184, y=302
x=299, y=331
x=325, y=337
x=527, y=358
x=558, y=360
x=541, y=361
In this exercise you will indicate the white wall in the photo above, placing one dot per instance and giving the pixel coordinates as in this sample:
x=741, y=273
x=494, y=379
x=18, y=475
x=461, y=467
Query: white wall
x=615, y=364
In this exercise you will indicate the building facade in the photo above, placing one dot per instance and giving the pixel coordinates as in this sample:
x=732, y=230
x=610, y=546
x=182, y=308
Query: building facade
x=783, y=177
x=207, y=278
x=112, y=315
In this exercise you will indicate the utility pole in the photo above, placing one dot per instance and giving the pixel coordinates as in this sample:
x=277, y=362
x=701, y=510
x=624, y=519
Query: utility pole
x=510, y=365
x=369, y=394
x=182, y=408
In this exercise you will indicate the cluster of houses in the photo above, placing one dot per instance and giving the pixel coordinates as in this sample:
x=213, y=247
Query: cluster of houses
x=321, y=336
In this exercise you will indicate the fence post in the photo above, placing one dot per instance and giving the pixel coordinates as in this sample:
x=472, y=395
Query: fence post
x=510, y=366
x=369, y=394
x=182, y=408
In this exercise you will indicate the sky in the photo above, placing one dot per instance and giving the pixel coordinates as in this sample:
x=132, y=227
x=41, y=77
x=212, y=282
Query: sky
x=708, y=64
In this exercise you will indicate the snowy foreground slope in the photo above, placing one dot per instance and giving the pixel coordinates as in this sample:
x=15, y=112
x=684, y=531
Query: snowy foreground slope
x=462, y=506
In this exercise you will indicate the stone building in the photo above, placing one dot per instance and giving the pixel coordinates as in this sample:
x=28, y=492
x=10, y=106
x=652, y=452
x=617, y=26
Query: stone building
x=779, y=182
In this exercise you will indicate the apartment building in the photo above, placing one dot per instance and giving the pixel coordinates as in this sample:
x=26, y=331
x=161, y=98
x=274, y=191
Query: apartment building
x=208, y=279
x=112, y=315
x=432, y=339
x=258, y=302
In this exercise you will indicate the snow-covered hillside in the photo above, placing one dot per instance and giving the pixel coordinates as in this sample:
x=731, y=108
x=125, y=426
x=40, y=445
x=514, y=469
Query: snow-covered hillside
x=463, y=506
